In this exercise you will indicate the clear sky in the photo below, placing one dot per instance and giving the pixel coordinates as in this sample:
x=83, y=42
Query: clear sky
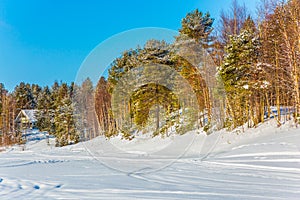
x=46, y=40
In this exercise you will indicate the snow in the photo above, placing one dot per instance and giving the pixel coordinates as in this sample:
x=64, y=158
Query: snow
x=265, y=84
x=246, y=87
x=260, y=163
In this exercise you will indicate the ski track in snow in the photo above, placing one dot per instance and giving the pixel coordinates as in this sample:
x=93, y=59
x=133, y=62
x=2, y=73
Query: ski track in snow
x=266, y=167
x=19, y=189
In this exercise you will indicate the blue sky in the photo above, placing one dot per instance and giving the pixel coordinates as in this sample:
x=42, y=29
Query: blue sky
x=46, y=40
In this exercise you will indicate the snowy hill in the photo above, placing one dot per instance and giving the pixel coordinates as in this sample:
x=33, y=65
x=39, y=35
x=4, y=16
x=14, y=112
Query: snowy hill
x=261, y=163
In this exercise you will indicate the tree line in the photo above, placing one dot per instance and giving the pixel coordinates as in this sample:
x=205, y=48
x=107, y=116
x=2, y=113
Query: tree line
x=56, y=110
x=256, y=64
x=239, y=70
x=260, y=62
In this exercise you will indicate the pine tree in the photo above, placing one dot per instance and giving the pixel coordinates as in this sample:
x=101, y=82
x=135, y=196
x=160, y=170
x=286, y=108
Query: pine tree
x=194, y=43
x=198, y=26
x=65, y=129
x=36, y=91
x=64, y=121
x=240, y=75
x=45, y=111
x=23, y=96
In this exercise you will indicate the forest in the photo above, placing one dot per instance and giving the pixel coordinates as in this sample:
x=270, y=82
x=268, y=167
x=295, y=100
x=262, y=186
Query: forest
x=238, y=70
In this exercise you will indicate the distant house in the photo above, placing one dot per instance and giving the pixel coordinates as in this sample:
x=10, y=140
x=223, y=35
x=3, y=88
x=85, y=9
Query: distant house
x=26, y=119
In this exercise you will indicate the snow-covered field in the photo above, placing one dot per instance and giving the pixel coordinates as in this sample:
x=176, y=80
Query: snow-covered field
x=261, y=163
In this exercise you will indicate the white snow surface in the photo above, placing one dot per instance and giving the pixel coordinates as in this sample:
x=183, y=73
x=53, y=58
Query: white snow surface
x=260, y=163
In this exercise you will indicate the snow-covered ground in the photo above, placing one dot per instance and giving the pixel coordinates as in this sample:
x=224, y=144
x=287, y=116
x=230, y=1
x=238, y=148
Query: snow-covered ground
x=261, y=163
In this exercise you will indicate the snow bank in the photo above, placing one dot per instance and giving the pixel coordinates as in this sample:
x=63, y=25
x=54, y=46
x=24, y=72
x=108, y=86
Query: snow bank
x=261, y=163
